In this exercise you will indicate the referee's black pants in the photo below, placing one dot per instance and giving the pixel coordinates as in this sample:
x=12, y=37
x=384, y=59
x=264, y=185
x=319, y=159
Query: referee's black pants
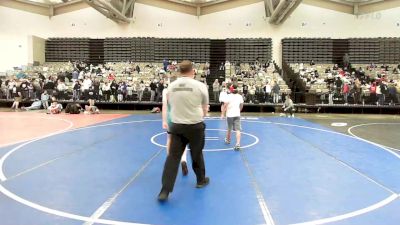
x=181, y=135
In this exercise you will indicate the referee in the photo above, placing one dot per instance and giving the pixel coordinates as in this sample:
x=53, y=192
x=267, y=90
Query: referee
x=188, y=99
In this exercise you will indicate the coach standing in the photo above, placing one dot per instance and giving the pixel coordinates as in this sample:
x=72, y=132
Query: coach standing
x=188, y=99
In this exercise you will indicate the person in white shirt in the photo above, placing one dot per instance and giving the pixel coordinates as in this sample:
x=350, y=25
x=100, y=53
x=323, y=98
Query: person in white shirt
x=106, y=89
x=267, y=90
x=61, y=89
x=188, y=99
x=141, y=89
x=232, y=107
x=87, y=83
x=11, y=85
x=129, y=91
x=252, y=92
x=167, y=122
x=222, y=98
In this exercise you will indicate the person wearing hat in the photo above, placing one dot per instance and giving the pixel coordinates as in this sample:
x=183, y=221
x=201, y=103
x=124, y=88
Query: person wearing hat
x=188, y=99
x=232, y=108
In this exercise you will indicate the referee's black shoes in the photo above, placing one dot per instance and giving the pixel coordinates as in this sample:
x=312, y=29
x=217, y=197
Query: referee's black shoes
x=163, y=196
x=203, y=183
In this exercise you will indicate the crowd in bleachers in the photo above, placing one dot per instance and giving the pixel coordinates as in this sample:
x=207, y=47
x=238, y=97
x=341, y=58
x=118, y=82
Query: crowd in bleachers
x=111, y=82
x=355, y=84
x=257, y=82
x=129, y=81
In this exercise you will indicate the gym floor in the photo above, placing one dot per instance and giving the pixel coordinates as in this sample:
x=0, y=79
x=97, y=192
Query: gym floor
x=106, y=169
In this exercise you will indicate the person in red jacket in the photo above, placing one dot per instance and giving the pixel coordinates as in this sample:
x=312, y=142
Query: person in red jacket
x=346, y=91
x=372, y=91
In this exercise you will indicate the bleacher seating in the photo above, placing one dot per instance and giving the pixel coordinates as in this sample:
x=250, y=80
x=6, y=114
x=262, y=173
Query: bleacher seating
x=259, y=80
x=65, y=49
x=320, y=86
x=246, y=50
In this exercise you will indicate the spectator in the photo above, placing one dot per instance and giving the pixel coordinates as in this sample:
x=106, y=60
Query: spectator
x=357, y=91
x=31, y=91
x=137, y=69
x=120, y=96
x=49, y=86
x=91, y=108
x=24, y=89
x=392, y=93
x=260, y=94
x=216, y=88
x=267, y=90
x=159, y=90
x=222, y=66
x=36, y=88
x=123, y=90
x=10, y=87
x=55, y=107
x=338, y=84
x=106, y=90
x=165, y=64
x=91, y=94
x=141, y=89
x=114, y=91
x=111, y=77
x=96, y=87
x=73, y=108
x=75, y=75
x=252, y=93
x=129, y=91
x=383, y=92
x=379, y=96
x=373, y=92
x=223, y=97
x=41, y=77
x=275, y=92
x=245, y=92
x=76, y=90
x=45, y=99
x=17, y=95
x=3, y=90
x=331, y=93
x=346, y=91
x=61, y=88
x=288, y=106
x=34, y=106
x=87, y=83
x=153, y=87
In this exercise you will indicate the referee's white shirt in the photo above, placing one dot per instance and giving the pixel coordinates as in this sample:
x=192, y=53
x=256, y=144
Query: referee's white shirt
x=186, y=97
